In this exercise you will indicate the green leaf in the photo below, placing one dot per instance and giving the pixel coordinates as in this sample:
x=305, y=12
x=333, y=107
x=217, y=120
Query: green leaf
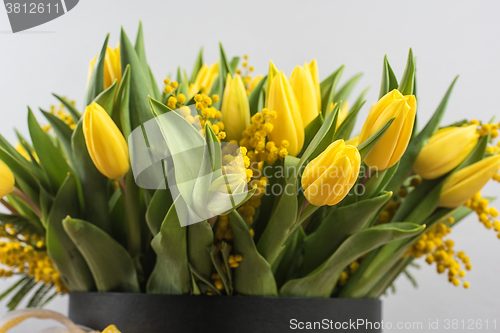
x=389, y=80
x=13, y=287
x=416, y=145
x=337, y=226
x=157, y=210
x=71, y=108
x=24, y=177
x=327, y=88
x=38, y=296
x=224, y=69
x=253, y=276
x=171, y=273
x=111, y=266
x=140, y=49
x=345, y=128
x=197, y=66
x=366, y=146
x=51, y=160
x=233, y=65
x=29, y=149
x=96, y=82
x=140, y=85
x=60, y=247
x=408, y=79
x=311, y=130
x=200, y=238
x=21, y=293
x=283, y=219
x=94, y=184
x=63, y=132
x=256, y=97
x=343, y=93
x=121, y=110
x=321, y=281
x=106, y=99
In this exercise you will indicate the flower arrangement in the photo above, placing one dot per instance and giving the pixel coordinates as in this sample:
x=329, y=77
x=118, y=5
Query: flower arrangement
x=294, y=203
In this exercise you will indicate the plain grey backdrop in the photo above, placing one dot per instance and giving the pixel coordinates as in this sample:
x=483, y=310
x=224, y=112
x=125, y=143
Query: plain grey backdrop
x=448, y=38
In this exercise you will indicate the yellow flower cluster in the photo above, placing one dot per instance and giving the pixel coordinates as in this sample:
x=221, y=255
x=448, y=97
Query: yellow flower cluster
x=208, y=114
x=25, y=259
x=245, y=73
x=234, y=165
x=484, y=129
x=174, y=101
x=487, y=215
x=254, y=139
x=441, y=252
x=350, y=270
x=247, y=210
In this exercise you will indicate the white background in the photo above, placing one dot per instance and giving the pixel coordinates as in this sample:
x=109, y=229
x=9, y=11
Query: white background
x=448, y=38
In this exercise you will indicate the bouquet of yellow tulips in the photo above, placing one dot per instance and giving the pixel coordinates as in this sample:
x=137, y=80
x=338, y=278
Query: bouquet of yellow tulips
x=226, y=183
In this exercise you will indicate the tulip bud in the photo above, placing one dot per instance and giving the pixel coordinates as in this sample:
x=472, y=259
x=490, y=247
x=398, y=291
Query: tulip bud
x=393, y=143
x=235, y=108
x=353, y=142
x=288, y=123
x=304, y=90
x=329, y=177
x=446, y=149
x=313, y=69
x=7, y=180
x=112, y=67
x=273, y=71
x=204, y=79
x=466, y=182
x=105, y=143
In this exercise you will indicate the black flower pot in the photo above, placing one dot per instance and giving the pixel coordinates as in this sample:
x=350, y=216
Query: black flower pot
x=143, y=313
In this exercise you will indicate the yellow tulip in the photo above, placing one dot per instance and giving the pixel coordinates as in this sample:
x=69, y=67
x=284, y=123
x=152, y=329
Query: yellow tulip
x=303, y=88
x=466, y=182
x=329, y=177
x=288, y=123
x=106, y=145
x=393, y=143
x=235, y=108
x=445, y=151
x=7, y=180
x=204, y=79
x=254, y=83
x=112, y=67
x=273, y=71
x=313, y=69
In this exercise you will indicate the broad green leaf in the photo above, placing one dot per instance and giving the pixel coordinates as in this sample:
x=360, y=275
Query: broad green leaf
x=366, y=146
x=140, y=85
x=284, y=216
x=140, y=49
x=197, y=66
x=288, y=263
x=327, y=88
x=200, y=239
x=71, y=108
x=134, y=216
x=256, y=97
x=233, y=64
x=121, y=110
x=408, y=79
x=220, y=83
x=321, y=281
x=51, y=160
x=416, y=144
x=253, y=276
x=389, y=80
x=96, y=82
x=94, y=184
x=106, y=99
x=111, y=266
x=389, y=278
x=171, y=274
x=329, y=136
x=337, y=226
x=61, y=249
